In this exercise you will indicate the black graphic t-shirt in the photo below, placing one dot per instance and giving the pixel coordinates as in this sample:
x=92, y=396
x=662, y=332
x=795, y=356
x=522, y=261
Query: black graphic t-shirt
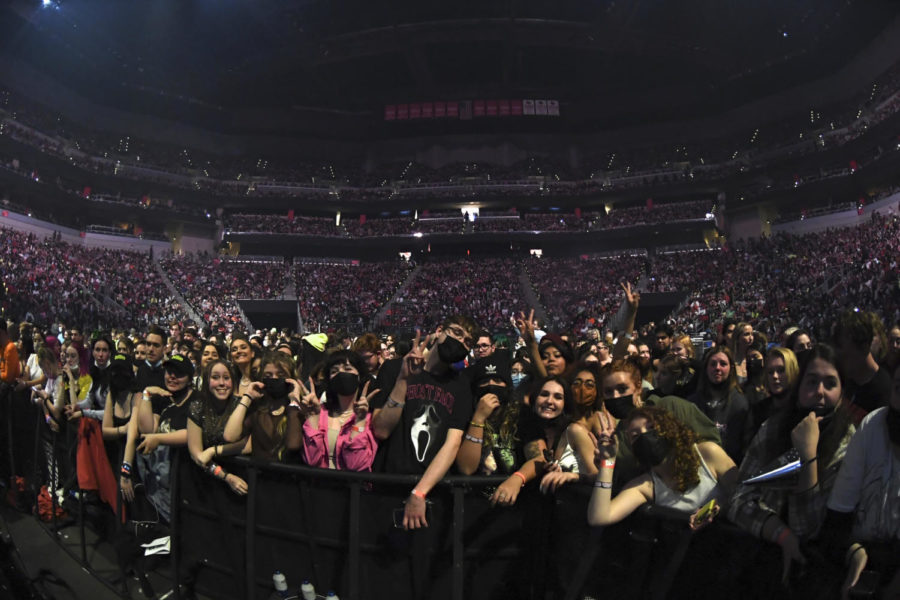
x=434, y=405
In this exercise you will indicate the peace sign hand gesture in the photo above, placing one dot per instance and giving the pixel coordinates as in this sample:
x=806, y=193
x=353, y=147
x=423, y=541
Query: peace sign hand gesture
x=633, y=298
x=526, y=326
x=309, y=403
x=605, y=443
x=361, y=405
x=414, y=361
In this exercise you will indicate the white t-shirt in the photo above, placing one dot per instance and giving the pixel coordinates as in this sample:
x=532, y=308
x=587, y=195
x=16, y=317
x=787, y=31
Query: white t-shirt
x=869, y=481
x=32, y=369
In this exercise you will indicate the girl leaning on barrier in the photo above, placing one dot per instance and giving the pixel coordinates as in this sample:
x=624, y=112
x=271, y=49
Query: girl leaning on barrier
x=338, y=434
x=683, y=473
x=206, y=425
x=269, y=413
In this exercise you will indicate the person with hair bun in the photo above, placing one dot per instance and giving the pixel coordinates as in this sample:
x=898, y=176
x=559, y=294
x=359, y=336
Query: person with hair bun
x=683, y=473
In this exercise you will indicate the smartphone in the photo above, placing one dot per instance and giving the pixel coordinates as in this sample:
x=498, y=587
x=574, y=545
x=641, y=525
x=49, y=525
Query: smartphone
x=705, y=511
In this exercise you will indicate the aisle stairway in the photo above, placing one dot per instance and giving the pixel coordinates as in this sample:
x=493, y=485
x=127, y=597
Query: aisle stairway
x=193, y=314
x=530, y=296
x=378, y=319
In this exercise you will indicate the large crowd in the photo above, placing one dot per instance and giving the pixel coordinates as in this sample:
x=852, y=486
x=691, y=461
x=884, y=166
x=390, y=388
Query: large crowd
x=599, y=169
x=633, y=416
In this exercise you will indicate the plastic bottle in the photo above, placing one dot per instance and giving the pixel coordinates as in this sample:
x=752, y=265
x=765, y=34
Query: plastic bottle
x=281, y=586
x=332, y=596
x=307, y=591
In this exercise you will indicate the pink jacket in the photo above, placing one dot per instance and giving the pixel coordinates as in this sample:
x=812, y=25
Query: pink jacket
x=354, y=454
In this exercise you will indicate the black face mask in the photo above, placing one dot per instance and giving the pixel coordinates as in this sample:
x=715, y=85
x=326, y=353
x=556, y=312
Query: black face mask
x=451, y=350
x=619, y=407
x=275, y=388
x=344, y=384
x=502, y=392
x=754, y=367
x=893, y=425
x=650, y=449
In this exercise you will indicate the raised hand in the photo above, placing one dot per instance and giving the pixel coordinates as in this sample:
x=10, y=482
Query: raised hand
x=361, y=405
x=309, y=403
x=526, y=326
x=414, y=361
x=633, y=298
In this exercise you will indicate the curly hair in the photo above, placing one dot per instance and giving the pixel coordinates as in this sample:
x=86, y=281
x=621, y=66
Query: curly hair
x=681, y=440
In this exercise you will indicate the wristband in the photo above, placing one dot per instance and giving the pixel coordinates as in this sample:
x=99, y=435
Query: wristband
x=247, y=406
x=520, y=476
x=474, y=424
x=473, y=439
x=417, y=494
x=216, y=450
x=126, y=470
x=608, y=463
x=606, y=485
x=803, y=463
x=391, y=403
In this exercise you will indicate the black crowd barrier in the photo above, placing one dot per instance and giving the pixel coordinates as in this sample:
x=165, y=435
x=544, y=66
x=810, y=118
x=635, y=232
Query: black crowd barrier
x=336, y=529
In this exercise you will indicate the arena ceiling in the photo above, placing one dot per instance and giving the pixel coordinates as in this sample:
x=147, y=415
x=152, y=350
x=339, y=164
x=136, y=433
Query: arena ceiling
x=635, y=60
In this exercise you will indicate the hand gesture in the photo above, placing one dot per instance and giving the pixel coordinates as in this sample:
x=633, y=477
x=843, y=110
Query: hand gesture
x=309, y=403
x=237, y=485
x=606, y=445
x=487, y=404
x=72, y=412
x=414, y=361
x=526, y=326
x=149, y=443
x=255, y=391
x=805, y=436
x=633, y=298
x=296, y=391
x=361, y=405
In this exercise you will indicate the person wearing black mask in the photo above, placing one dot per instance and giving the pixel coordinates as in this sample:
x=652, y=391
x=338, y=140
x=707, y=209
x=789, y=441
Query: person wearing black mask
x=338, y=434
x=489, y=444
x=274, y=423
x=120, y=398
x=427, y=412
x=864, y=507
x=620, y=389
x=682, y=473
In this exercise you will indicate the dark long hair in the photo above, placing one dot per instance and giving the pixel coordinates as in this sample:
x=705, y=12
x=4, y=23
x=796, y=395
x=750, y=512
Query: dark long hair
x=339, y=358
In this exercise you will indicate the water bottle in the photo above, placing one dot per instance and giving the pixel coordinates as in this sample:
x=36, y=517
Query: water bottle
x=332, y=596
x=307, y=591
x=281, y=586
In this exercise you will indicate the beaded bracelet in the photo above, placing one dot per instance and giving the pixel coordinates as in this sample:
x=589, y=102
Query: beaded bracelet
x=474, y=424
x=606, y=485
x=473, y=439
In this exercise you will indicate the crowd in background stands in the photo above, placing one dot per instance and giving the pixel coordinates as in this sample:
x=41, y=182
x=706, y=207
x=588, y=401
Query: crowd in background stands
x=487, y=288
x=212, y=285
x=770, y=281
x=126, y=156
x=49, y=278
x=343, y=295
x=582, y=293
x=385, y=226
